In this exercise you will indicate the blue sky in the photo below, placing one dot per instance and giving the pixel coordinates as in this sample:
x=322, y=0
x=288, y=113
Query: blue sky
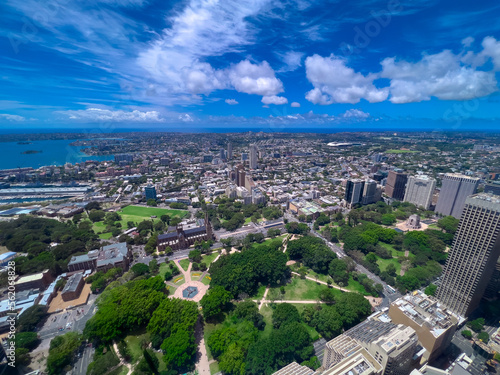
x=202, y=63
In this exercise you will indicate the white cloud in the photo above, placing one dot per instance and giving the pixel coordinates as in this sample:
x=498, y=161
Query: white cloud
x=292, y=61
x=295, y=105
x=186, y=118
x=334, y=82
x=273, y=99
x=13, y=118
x=355, y=113
x=466, y=42
x=256, y=79
x=441, y=75
x=491, y=48
x=98, y=114
x=231, y=101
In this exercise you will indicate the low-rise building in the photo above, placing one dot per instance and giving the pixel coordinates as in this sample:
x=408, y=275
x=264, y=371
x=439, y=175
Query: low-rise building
x=73, y=287
x=37, y=281
x=111, y=256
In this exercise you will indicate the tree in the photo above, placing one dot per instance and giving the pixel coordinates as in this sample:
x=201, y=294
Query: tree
x=151, y=202
x=467, y=334
x=214, y=302
x=92, y=206
x=483, y=336
x=233, y=360
x=61, y=352
x=391, y=269
x=328, y=322
x=388, y=219
x=96, y=215
x=338, y=271
x=28, y=340
x=431, y=290
x=179, y=349
x=285, y=313
x=327, y=295
x=476, y=325
x=153, y=266
x=139, y=269
x=32, y=318
x=449, y=224
x=195, y=256
x=165, y=219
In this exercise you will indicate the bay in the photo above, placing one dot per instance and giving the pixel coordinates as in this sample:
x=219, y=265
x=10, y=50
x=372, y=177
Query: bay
x=54, y=152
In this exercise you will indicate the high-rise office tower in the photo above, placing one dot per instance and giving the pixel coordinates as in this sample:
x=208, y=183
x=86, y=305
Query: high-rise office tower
x=369, y=192
x=473, y=255
x=354, y=191
x=253, y=157
x=229, y=151
x=493, y=288
x=456, y=187
x=150, y=192
x=396, y=185
x=419, y=190
x=222, y=154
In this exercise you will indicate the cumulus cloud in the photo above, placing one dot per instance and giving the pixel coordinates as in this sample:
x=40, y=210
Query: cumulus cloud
x=256, y=79
x=98, y=114
x=355, y=114
x=231, y=101
x=295, y=105
x=444, y=75
x=441, y=75
x=13, y=118
x=335, y=82
x=273, y=99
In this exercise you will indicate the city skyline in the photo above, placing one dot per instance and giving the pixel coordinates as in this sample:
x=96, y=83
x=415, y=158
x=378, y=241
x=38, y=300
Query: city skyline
x=268, y=64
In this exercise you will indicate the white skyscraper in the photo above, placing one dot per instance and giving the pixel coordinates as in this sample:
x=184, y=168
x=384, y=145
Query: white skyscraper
x=419, y=190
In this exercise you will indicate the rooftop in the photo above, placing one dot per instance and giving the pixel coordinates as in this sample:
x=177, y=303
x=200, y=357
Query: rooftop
x=72, y=283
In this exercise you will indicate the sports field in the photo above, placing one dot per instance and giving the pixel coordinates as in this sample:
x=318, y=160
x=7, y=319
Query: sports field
x=136, y=214
x=401, y=152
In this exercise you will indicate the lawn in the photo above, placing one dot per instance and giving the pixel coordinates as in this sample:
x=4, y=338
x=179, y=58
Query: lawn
x=302, y=289
x=279, y=238
x=195, y=276
x=164, y=267
x=105, y=236
x=134, y=344
x=208, y=328
x=267, y=314
x=209, y=258
x=383, y=263
x=214, y=368
x=395, y=253
x=184, y=263
x=137, y=214
x=206, y=280
x=178, y=280
x=122, y=370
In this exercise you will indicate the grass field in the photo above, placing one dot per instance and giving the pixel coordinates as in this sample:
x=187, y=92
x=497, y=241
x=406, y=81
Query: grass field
x=401, y=152
x=267, y=313
x=136, y=214
x=302, y=289
x=134, y=344
x=214, y=368
x=206, y=280
x=184, y=263
x=164, y=267
x=383, y=263
x=208, y=259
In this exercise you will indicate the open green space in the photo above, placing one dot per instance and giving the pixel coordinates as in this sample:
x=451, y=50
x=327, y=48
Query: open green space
x=383, y=263
x=105, y=236
x=278, y=239
x=178, y=280
x=209, y=258
x=303, y=289
x=164, y=267
x=136, y=214
x=122, y=370
x=214, y=368
x=267, y=314
x=184, y=263
x=206, y=280
x=134, y=344
x=401, y=152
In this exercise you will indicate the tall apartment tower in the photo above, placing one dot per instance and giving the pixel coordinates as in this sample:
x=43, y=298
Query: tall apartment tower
x=229, y=151
x=473, y=255
x=456, y=188
x=354, y=191
x=253, y=157
x=396, y=185
x=419, y=190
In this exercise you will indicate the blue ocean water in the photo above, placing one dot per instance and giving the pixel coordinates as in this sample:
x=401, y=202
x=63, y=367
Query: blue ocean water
x=53, y=153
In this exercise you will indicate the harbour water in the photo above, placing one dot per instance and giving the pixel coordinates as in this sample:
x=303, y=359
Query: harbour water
x=53, y=152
